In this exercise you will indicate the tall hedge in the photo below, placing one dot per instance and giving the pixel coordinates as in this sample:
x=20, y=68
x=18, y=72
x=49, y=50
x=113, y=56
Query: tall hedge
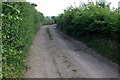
x=20, y=22
x=96, y=21
x=90, y=19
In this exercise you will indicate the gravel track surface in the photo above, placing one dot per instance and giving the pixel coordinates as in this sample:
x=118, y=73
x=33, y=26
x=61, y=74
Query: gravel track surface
x=64, y=57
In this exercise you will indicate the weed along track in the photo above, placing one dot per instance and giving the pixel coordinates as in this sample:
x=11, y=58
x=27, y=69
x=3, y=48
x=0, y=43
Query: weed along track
x=52, y=56
x=49, y=34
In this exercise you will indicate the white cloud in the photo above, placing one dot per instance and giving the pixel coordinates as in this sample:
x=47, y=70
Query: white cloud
x=55, y=7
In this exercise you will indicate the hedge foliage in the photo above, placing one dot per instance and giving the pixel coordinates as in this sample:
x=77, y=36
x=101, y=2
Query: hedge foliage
x=0, y=39
x=20, y=23
x=93, y=20
x=90, y=19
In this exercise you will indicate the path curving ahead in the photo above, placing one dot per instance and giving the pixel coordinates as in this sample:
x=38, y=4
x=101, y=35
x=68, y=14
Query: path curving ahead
x=64, y=57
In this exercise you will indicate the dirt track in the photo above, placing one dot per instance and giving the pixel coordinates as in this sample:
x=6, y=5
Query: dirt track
x=64, y=57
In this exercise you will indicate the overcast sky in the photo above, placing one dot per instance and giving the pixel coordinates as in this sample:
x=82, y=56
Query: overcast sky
x=55, y=7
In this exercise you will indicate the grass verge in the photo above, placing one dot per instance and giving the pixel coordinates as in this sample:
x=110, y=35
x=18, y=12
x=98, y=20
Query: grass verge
x=107, y=48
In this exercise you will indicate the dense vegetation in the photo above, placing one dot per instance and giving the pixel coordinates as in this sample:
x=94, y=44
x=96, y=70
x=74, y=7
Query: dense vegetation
x=20, y=22
x=96, y=25
x=0, y=39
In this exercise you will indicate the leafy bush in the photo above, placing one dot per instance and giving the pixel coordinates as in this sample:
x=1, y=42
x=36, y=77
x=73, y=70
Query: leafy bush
x=93, y=20
x=20, y=22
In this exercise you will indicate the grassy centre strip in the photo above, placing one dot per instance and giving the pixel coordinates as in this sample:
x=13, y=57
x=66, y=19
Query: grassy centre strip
x=49, y=34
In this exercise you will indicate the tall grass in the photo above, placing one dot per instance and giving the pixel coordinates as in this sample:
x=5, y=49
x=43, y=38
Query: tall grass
x=107, y=48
